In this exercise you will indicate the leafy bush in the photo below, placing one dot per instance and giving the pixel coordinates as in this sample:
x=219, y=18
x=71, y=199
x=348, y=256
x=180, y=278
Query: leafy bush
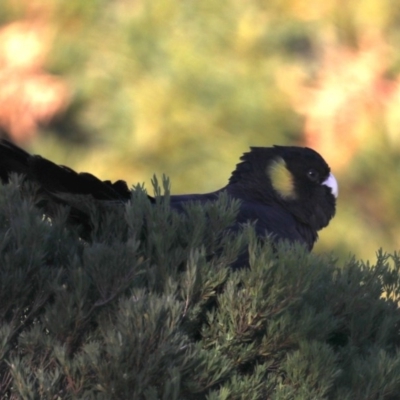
x=149, y=309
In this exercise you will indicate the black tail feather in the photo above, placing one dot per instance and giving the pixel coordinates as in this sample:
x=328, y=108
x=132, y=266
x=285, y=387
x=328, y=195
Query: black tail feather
x=58, y=178
x=12, y=160
x=60, y=185
x=55, y=178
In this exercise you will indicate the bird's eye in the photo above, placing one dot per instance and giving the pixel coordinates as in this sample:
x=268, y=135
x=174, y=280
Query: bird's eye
x=313, y=175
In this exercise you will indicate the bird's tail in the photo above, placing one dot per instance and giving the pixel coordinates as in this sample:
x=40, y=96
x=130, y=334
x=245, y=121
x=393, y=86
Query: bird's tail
x=12, y=160
x=55, y=178
x=58, y=184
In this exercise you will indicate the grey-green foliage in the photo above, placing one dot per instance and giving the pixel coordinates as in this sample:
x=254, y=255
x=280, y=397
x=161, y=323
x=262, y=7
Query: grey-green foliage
x=148, y=308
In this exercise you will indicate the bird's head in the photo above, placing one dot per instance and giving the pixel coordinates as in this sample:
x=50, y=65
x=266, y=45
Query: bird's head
x=297, y=178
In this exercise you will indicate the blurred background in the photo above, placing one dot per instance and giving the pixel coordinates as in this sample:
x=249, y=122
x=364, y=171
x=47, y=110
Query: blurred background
x=125, y=89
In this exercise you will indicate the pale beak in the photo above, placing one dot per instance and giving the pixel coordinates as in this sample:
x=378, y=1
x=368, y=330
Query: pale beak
x=331, y=182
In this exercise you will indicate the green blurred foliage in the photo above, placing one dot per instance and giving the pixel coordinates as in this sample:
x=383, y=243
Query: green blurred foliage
x=185, y=87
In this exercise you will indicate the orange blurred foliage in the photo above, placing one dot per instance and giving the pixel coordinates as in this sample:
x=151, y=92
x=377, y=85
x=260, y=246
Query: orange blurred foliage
x=29, y=96
x=348, y=96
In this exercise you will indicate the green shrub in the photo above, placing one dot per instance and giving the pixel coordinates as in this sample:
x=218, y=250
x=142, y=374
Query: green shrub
x=149, y=309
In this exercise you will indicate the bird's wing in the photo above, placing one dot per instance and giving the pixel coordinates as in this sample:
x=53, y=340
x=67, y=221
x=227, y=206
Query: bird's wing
x=269, y=220
x=274, y=220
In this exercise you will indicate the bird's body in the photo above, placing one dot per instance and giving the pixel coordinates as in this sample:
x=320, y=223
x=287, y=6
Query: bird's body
x=287, y=192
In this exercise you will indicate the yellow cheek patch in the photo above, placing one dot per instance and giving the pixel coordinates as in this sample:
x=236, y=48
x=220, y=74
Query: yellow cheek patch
x=281, y=179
